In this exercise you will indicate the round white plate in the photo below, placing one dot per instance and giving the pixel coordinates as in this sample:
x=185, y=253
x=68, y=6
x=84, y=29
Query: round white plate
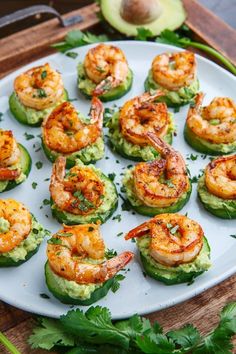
x=22, y=286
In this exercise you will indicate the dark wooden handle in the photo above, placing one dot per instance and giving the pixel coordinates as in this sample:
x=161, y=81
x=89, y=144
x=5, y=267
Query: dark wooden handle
x=38, y=9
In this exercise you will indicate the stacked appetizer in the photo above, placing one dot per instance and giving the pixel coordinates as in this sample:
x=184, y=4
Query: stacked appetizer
x=36, y=93
x=78, y=270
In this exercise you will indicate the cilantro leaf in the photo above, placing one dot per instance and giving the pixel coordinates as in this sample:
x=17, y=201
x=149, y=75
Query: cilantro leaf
x=155, y=344
x=187, y=337
x=49, y=334
x=143, y=34
x=116, y=283
x=94, y=326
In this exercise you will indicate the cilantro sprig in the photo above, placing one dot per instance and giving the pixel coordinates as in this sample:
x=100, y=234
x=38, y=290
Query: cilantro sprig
x=94, y=331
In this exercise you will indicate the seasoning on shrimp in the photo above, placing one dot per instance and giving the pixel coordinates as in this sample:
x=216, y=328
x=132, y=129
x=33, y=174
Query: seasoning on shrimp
x=64, y=132
x=39, y=88
x=9, y=156
x=106, y=66
x=141, y=115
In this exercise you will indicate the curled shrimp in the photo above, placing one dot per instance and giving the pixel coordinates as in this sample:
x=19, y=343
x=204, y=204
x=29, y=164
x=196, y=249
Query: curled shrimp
x=40, y=87
x=80, y=192
x=220, y=177
x=9, y=156
x=106, y=65
x=19, y=221
x=215, y=122
x=141, y=115
x=174, y=239
x=68, y=258
x=174, y=70
x=64, y=132
x=161, y=183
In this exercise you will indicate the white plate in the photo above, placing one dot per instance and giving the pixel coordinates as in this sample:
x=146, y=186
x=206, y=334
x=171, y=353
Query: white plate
x=22, y=286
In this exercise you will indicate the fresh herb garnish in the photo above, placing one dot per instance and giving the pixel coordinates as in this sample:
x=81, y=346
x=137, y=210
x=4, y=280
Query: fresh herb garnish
x=44, y=74
x=116, y=283
x=108, y=113
x=39, y=165
x=94, y=332
x=54, y=241
x=64, y=234
x=192, y=157
x=119, y=234
x=28, y=136
x=46, y=202
x=90, y=229
x=34, y=185
x=112, y=176
x=172, y=38
x=169, y=183
x=76, y=38
x=84, y=204
x=72, y=55
x=117, y=217
x=110, y=253
x=143, y=34
x=41, y=93
x=100, y=69
x=1, y=115
x=44, y=296
x=234, y=236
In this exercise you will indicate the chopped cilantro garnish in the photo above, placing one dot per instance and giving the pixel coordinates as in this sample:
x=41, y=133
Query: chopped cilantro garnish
x=34, y=185
x=39, y=165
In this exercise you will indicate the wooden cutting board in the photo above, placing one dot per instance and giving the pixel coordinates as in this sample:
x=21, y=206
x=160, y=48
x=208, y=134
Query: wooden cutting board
x=30, y=44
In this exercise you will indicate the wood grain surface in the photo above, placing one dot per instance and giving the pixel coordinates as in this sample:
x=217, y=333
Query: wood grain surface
x=202, y=310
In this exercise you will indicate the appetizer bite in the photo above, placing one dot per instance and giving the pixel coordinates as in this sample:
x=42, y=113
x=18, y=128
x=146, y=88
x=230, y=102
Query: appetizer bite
x=66, y=133
x=78, y=271
x=176, y=75
x=104, y=73
x=83, y=195
x=128, y=127
x=159, y=186
x=172, y=247
x=20, y=233
x=36, y=93
x=15, y=161
x=212, y=129
x=217, y=187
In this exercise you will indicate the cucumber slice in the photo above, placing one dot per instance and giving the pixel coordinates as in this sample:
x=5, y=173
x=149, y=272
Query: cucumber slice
x=25, y=162
x=86, y=86
x=62, y=295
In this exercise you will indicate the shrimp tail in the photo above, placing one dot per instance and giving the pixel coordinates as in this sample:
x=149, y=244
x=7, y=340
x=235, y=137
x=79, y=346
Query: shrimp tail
x=198, y=103
x=105, y=85
x=147, y=97
x=7, y=174
x=58, y=170
x=96, y=112
x=138, y=231
x=159, y=144
x=115, y=264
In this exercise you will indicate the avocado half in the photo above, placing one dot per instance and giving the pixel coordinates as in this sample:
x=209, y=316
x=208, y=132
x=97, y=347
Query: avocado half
x=171, y=16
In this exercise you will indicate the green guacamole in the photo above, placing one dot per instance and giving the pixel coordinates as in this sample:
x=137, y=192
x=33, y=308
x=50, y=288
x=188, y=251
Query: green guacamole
x=102, y=213
x=201, y=264
x=173, y=98
x=89, y=154
x=86, y=86
x=128, y=182
x=4, y=225
x=223, y=208
x=31, y=116
x=31, y=243
x=205, y=146
x=132, y=151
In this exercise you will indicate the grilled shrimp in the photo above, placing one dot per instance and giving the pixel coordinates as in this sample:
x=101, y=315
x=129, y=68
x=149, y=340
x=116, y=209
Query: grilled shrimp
x=160, y=183
x=174, y=70
x=220, y=177
x=215, y=122
x=9, y=156
x=18, y=221
x=141, y=115
x=106, y=65
x=39, y=87
x=68, y=258
x=80, y=192
x=64, y=132
x=174, y=238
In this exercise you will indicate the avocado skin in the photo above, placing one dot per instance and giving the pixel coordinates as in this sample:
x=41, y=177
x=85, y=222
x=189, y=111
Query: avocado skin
x=177, y=277
x=66, y=299
x=113, y=94
x=26, y=167
x=20, y=114
x=198, y=144
x=70, y=161
x=8, y=262
x=152, y=211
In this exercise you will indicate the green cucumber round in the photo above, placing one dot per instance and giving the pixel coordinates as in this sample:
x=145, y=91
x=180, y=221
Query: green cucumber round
x=8, y=262
x=62, y=295
x=206, y=147
x=87, y=155
x=86, y=86
x=24, y=114
x=25, y=162
x=96, y=216
x=222, y=208
x=178, y=276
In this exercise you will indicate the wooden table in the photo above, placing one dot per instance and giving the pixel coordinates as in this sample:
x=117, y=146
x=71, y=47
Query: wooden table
x=202, y=310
